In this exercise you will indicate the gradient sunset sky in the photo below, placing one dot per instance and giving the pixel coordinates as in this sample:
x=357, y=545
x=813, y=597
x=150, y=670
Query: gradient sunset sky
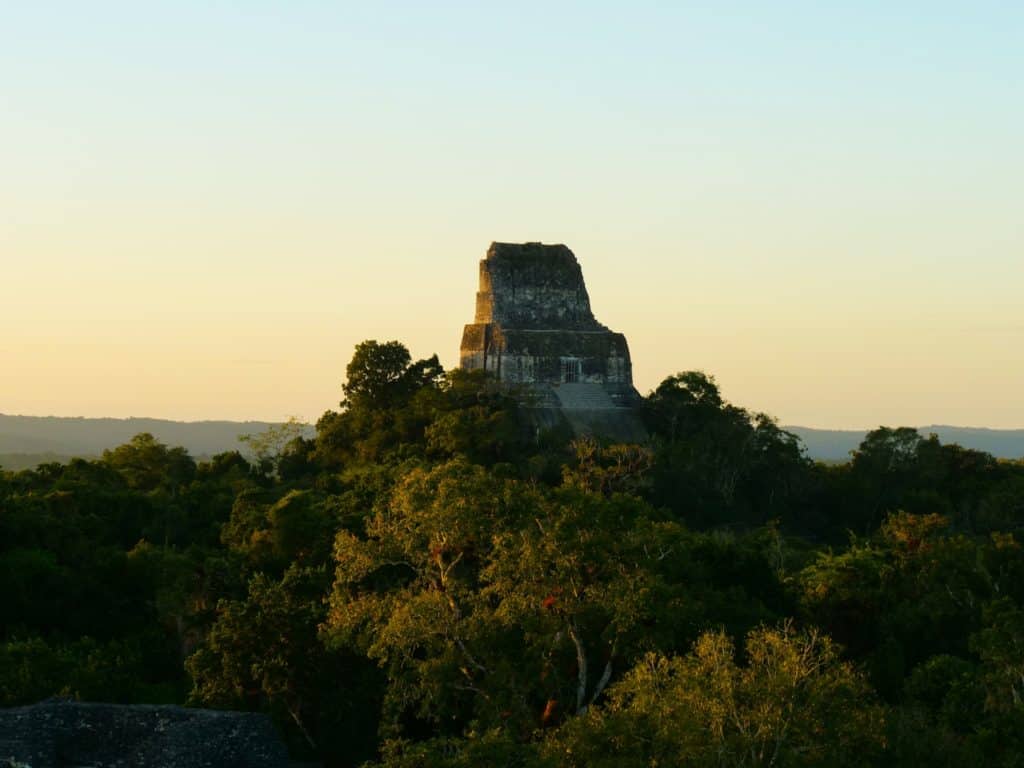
x=205, y=205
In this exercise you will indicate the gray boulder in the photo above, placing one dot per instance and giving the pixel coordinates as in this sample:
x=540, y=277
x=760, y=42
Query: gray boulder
x=68, y=734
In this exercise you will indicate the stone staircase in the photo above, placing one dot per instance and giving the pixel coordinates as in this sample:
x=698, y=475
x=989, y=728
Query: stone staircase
x=579, y=396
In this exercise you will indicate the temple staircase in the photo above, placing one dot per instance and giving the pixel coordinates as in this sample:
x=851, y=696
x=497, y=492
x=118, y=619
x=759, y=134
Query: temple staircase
x=580, y=396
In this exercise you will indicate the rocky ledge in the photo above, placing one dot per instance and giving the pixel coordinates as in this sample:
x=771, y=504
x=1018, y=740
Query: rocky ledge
x=68, y=734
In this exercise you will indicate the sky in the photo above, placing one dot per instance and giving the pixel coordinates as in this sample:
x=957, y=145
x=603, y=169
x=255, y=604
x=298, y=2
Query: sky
x=204, y=206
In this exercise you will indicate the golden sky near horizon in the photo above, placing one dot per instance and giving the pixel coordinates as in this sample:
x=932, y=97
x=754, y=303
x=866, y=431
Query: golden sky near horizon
x=201, y=220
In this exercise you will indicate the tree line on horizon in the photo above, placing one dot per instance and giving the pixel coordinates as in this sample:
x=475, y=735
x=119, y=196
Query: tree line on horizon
x=427, y=583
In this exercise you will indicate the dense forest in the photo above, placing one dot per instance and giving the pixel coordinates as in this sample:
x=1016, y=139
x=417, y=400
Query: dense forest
x=429, y=582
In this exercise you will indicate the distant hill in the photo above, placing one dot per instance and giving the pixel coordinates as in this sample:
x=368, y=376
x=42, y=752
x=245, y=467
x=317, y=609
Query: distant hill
x=29, y=440
x=26, y=441
x=836, y=444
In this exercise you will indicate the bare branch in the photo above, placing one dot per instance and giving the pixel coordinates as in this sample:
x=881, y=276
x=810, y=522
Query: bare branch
x=581, y=663
x=293, y=710
x=472, y=689
x=606, y=676
x=469, y=657
x=446, y=570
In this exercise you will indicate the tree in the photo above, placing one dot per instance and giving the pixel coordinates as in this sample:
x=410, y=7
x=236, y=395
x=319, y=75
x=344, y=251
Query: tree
x=147, y=464
x=271, y=446
x=381, y=375
x=884, y=471
x=1001, y=648
x=472, y=417
x=496, y=603
x=911, y=592
x=608, y=469
x=716, y=464
x=793, y=702
x=383, y=412
x=263, y=652
x=374, y=373
x=271, y=530
x=403, y=594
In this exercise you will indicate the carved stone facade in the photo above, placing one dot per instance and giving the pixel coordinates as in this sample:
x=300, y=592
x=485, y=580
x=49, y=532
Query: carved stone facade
x=534, y=329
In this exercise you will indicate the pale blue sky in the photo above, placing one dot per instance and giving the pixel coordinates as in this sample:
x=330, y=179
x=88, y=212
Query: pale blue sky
x=204, y=206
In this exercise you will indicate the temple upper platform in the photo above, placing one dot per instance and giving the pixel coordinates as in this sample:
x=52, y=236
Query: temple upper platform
x=534, y=327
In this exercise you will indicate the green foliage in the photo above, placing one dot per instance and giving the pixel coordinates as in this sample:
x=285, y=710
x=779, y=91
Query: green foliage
x=429, y=583
x=494, y=602
x=148, y=465
x=383, y=375
x=716, y=463
x=263, y=652
x=117, y=670
x=1000, y=646
x=278, y=445
x=792, y=702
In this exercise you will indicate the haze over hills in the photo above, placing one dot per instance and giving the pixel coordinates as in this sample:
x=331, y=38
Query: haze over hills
x=26, y=441
x=836, y=444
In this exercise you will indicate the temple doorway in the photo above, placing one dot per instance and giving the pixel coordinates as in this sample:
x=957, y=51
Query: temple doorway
x=572, y=369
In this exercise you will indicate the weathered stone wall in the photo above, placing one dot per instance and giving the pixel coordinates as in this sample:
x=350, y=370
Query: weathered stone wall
x=63, y=734
x=533, y=356
x=534, y=286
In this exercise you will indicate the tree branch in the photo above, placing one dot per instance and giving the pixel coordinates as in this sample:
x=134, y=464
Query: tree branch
x=581, y=663
x=605, y=677
x=294, y=712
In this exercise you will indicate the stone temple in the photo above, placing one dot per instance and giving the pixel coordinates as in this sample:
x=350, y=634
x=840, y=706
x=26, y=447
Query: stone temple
x=534, y=331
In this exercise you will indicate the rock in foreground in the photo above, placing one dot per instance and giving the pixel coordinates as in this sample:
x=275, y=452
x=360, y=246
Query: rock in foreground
x=59, y=733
